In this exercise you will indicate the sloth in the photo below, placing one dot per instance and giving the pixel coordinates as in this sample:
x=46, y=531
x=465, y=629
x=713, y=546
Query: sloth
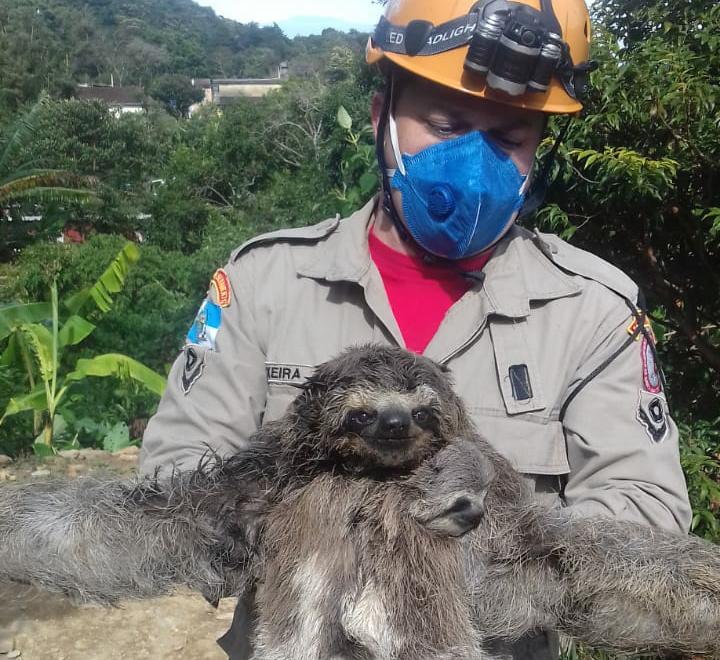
x=371, y=522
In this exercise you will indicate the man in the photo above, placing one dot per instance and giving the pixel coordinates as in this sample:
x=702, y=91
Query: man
x=545, y=342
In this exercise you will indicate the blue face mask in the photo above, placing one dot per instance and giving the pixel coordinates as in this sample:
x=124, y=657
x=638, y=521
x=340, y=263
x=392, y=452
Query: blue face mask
x=460, y=196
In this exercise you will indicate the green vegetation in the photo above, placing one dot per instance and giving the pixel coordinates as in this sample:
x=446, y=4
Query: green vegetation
x=54, y=44
x=38, y=350
x=637, y=182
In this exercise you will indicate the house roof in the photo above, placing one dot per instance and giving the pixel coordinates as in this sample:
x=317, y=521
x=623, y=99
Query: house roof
x=117, y=96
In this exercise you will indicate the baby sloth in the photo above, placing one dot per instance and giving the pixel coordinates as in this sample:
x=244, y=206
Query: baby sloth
x=371, y=522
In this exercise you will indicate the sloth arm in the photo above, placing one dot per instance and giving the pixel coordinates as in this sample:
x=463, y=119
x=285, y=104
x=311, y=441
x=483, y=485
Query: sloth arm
x=631, y=587
x=611, y=583
x=106, y=540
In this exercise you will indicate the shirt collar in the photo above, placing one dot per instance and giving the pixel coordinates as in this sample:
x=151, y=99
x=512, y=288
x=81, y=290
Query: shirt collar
x=518, y=273
x=345, y=256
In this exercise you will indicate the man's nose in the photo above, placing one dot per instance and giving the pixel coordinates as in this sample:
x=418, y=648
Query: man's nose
x=394, y=422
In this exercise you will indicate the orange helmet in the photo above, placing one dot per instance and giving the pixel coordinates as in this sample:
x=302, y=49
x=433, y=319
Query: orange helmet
x=526, y=53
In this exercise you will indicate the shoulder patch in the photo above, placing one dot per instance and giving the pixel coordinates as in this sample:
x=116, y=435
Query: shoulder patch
x=587, y=265
x=206, y=326
x=632, y=329
x=652, y=413
x=652, y=380
x=296, y=235
x=221, y=285
x=193, y=367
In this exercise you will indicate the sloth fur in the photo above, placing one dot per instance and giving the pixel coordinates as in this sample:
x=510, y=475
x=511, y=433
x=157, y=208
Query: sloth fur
x=372, y=522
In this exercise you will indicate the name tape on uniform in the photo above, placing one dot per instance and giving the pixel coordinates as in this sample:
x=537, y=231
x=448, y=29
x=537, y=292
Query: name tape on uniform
x=289, y=374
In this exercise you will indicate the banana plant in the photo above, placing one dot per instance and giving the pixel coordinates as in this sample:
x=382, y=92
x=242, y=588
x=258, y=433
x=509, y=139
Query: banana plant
x=37, y=341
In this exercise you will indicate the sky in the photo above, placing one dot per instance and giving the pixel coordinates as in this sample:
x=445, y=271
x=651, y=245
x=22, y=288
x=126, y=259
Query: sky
x=362, y=12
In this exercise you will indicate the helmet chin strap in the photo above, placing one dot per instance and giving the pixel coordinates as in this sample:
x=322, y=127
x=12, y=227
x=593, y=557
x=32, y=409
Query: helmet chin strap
x=388, y=173
x=541, y=183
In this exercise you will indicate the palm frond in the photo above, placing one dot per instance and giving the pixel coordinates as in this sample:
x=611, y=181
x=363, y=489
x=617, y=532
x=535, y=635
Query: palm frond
x=47, y=185
x=22, y=132
x=48, y=195
x=51, y=178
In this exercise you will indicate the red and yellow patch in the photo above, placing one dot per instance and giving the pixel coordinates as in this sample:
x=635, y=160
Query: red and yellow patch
x=221, y=284
x=632, y=329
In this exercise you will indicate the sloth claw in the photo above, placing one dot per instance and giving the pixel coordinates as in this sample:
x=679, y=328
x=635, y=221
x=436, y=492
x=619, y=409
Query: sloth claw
x=461, y=515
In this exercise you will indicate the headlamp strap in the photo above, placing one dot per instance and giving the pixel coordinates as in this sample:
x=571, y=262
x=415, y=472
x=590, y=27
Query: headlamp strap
x=424, y=38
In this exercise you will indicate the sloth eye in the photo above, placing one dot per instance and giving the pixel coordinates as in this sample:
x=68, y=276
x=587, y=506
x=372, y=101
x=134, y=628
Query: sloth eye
x=421, y=415
x=361, y=418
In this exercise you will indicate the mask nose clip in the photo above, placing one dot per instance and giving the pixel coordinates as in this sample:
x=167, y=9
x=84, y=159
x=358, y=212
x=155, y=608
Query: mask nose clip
x=441, y=203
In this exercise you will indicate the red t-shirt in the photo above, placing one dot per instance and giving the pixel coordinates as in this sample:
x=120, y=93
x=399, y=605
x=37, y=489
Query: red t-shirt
x=420, y=293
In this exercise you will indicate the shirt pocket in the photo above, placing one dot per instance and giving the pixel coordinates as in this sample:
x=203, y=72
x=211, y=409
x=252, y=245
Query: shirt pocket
x=534, y=446
x=279, y=398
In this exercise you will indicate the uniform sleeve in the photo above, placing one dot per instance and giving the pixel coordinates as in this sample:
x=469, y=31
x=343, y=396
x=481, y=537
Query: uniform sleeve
x=216, y=390
x=622, y=443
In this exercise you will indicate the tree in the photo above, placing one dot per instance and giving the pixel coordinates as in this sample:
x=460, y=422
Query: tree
x=176, y=93
x=23, y=181
x=641, y=183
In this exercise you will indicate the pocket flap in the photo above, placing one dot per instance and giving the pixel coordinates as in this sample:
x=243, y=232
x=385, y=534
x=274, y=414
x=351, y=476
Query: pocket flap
x=532, y=446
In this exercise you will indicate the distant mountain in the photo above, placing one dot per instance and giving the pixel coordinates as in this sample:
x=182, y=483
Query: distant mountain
x=307, y=25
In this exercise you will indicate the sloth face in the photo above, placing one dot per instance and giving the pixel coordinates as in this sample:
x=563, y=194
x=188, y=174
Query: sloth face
x=389, y=428
x=379, y=408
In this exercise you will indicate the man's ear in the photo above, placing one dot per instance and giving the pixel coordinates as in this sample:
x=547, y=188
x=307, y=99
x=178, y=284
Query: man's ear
x=376, y=109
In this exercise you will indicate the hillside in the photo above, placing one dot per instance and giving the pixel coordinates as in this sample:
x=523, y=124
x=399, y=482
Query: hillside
x=54, y=44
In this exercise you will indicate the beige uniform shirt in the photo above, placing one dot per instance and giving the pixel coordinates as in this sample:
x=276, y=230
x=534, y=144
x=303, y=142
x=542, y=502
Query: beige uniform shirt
x=541, y=318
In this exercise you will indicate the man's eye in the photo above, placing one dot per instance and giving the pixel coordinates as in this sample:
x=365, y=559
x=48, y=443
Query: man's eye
x=444, y=130
x=505, y=141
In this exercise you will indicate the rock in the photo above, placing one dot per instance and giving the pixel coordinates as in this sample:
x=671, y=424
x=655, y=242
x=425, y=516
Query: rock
x=7, y=645
x=5, y=460
x=41, y=473
x=6, y=475
x=130, y=454
x=83, y=454
x=74, y=469
x=86, y=454
x=14, y=654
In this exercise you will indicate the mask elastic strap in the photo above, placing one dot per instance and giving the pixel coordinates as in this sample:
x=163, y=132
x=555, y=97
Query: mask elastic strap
x=395, y=142
x=388, y=204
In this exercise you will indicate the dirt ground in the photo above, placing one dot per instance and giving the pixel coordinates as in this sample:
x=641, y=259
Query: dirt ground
x=35, y=625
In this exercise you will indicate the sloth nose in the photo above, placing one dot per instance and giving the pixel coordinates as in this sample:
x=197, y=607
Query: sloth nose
x=394, y=423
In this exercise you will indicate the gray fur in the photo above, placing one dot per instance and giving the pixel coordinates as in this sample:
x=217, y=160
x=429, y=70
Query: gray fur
x=397, y=533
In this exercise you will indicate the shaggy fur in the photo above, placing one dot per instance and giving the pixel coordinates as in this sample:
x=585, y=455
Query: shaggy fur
x=349, y=518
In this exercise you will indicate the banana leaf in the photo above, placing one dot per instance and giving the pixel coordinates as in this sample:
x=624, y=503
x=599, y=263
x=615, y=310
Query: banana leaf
x=14, y=315
x=36, y=400
x=74, y=330
x=121, y=366
x=108, y=284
